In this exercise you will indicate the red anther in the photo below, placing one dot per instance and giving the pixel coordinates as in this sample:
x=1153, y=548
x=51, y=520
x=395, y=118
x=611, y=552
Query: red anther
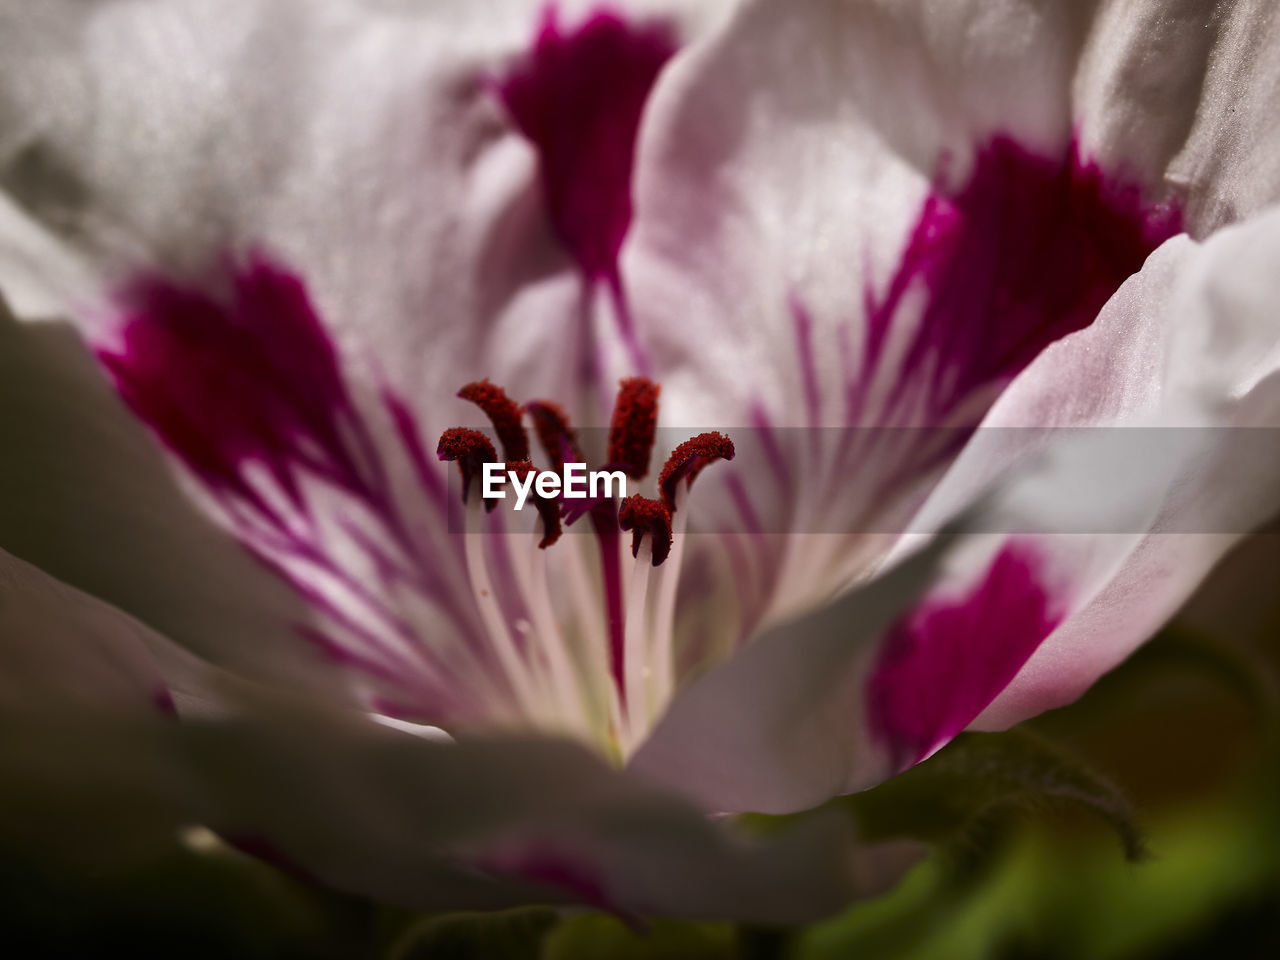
x=548, y=508
x=688, y=459
x=505, y=415
x=643, y=515
x=558, y=440
x=634, y=423
x=471, y=450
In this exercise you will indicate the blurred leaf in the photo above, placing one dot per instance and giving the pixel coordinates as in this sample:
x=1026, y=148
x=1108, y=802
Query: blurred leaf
x=1056, y=897
x=513, y=934
x=957, y=796
x=590, y=936
x=1238, y=670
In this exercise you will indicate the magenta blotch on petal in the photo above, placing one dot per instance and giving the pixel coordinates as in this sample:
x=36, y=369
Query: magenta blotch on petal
x=941, y=665
x=248, y=376
x=578, y=95
x=1026, y=252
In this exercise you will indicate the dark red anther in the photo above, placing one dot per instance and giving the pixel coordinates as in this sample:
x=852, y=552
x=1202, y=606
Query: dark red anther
x=471, y=450
x=548, y=508
x=643, y=515
x=634, y=423
x=505, y=415
x=557, y=438
x=687, y=461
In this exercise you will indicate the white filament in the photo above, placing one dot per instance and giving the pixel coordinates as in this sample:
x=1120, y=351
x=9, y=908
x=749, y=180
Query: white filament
x=635, y=663
x=490, y=611
x=562, y=675
x=662, y=629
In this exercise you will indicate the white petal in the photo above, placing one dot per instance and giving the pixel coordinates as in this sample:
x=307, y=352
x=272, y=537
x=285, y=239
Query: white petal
x=363, y=146
x=490, y=823
x=1177, y=364
x=778, y=728
x=865, y=216
x=789, y=154
x=359, y=142
x=91, y=740
x=1186, y=92
x=1221, y=379
x=1185, y=355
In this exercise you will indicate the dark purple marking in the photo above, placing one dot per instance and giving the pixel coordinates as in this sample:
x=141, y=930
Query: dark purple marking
x=261, y=847
x=1025, y=253
x=548, y=866
x=945, y=662
x=163, y=700
x=604, y=523
x=578, y=95
x=248, y=376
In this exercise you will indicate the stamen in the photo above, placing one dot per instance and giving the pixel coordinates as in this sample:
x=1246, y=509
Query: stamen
x=634, y=424
x=662, y=626
x=505, y=415
x=569, y=698
x=557, y=438
x=549, y=672
x=548, y=508
x=593, y=621
x=471, y=450
x=643, y=515
x=688, y=460
x=491, y=613
x=636, y=664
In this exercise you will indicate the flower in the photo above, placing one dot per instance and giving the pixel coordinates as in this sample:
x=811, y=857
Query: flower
x=876, y=256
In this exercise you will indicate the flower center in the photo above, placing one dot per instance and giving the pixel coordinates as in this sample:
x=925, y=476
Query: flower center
x=548, y=642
